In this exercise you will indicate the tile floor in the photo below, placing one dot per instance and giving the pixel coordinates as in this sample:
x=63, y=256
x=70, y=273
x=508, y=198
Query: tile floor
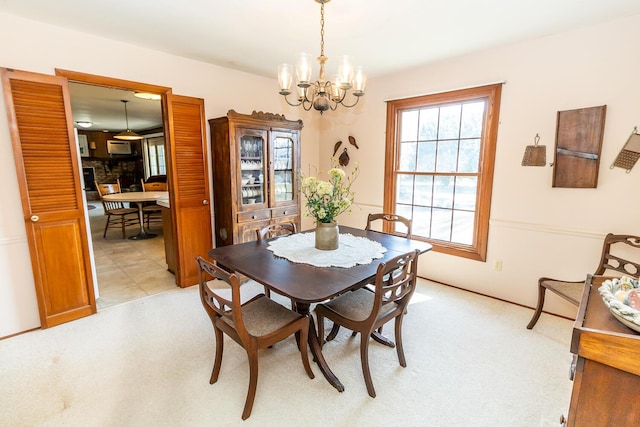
x=127, y=269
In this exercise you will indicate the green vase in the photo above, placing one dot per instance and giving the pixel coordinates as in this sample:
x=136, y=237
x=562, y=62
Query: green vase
x=327, y=236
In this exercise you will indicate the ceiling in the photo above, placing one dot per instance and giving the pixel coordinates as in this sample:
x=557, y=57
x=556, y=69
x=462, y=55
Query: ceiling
x=256, y=35
x=104, y=108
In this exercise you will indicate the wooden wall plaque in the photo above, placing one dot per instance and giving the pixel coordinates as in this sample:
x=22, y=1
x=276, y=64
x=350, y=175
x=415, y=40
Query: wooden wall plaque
x=579, y=136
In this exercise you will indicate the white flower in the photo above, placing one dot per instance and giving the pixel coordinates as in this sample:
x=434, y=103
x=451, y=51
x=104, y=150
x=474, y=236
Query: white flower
x=328, y=199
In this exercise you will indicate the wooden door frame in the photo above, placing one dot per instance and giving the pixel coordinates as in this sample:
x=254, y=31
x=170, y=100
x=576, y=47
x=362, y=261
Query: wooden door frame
x=114, y=83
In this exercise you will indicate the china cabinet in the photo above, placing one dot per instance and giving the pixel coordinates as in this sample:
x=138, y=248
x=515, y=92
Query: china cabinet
x=256, y=163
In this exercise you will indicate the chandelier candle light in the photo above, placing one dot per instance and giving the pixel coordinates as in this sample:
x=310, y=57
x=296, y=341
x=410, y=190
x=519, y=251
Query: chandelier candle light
x=322, y=94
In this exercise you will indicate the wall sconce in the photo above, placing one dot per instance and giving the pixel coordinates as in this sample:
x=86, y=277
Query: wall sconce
x=535, y=155
x=92, y=145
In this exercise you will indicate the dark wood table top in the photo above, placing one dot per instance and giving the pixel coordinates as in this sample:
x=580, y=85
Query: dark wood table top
x=303, y=282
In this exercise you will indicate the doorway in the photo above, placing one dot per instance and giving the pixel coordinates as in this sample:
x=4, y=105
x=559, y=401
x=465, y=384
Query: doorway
x=42, y=135
x=125, y=269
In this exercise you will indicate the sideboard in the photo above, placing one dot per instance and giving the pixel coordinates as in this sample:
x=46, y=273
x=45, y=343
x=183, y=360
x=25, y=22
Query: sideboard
x=606, y=368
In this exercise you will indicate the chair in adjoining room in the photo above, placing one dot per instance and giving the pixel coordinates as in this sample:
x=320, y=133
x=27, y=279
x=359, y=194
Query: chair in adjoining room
x=572, y=291
x=391, y=218
x=256, y=324
x=364, y=310
x=116, y=213
x=151, y=210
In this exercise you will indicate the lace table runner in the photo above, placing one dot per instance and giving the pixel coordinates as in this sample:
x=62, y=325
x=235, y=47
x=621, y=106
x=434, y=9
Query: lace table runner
x=351, y=250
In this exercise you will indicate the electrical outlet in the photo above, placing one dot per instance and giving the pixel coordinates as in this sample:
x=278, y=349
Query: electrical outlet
x=497, y=265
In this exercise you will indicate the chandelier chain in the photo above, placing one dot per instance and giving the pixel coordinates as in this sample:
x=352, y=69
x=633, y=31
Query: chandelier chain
x=322, y=29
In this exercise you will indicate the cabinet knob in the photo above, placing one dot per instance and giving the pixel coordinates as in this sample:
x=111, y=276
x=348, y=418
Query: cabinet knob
x=284, y=213
x=205, y=202
x=35, y=218
x=253, y=217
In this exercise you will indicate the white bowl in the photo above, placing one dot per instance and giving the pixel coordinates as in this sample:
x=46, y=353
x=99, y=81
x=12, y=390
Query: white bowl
x=244, y=181
x=622, y=312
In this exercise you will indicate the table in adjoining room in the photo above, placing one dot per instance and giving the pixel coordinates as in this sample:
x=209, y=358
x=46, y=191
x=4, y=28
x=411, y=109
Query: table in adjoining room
x=138, y=197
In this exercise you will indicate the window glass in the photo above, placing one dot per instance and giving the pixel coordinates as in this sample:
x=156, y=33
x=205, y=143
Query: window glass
x=408, y=156
x=426, y=156
x=409, y=128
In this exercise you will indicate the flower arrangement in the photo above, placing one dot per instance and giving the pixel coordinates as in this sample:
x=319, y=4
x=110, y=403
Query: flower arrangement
x=328, y=199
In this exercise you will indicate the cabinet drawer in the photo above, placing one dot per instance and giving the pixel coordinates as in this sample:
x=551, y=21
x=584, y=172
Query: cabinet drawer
x=284, y=211
x=254, y=215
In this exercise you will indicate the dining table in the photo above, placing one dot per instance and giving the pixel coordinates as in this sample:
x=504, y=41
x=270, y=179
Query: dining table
x=138, y=197
x=306, y=284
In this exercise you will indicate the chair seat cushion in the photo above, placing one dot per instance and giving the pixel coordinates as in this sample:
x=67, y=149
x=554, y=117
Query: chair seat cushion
x=357, y=305
x=571, y=290
x=264, y=316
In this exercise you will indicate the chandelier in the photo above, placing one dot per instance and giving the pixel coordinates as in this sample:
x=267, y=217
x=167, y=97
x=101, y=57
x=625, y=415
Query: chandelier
x=128, y=134
x=322, y=94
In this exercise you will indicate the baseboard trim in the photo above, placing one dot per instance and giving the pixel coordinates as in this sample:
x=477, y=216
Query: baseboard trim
x=495, y=298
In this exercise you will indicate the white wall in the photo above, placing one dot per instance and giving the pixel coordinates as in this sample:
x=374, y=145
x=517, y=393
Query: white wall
x=36, y=47
x=536, y=230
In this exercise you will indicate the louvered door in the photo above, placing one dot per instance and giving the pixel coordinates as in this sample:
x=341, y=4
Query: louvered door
x=46, y=160
x=189, y=185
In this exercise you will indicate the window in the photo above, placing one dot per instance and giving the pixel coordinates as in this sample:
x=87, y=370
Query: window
x=155, y=161
x=439, y=166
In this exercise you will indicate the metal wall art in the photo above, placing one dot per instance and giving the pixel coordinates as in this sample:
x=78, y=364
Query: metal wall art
x=535, y=155
x=343, y=159
x=630, y=153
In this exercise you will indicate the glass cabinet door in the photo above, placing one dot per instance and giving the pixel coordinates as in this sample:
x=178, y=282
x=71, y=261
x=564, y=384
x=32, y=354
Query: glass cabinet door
x=252, y=161
x=282, y=158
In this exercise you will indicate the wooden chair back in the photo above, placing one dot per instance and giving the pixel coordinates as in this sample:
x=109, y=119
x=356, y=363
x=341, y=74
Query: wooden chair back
x=275, y=230
x=153, y=186
x=395, y=283
x=391, y=218
x=216, y=303
x=106, y=189
x=622, y=245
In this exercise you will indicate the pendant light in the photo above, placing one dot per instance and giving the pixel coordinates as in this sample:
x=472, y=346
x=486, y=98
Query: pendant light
x=127, y=135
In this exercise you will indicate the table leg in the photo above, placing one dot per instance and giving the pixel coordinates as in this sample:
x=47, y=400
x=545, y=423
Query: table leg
x=314, y=344
x=143, y=233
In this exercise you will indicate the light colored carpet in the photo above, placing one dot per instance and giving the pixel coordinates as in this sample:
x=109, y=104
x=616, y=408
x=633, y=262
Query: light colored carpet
x=470, y=362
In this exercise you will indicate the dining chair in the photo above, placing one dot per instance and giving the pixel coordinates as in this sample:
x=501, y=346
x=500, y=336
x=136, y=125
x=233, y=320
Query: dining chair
x=151, y=210
x=389, y=218
x=572, y=291
x=364, y=310
x=256, y=324
x=116, y=213
x=275, y=230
